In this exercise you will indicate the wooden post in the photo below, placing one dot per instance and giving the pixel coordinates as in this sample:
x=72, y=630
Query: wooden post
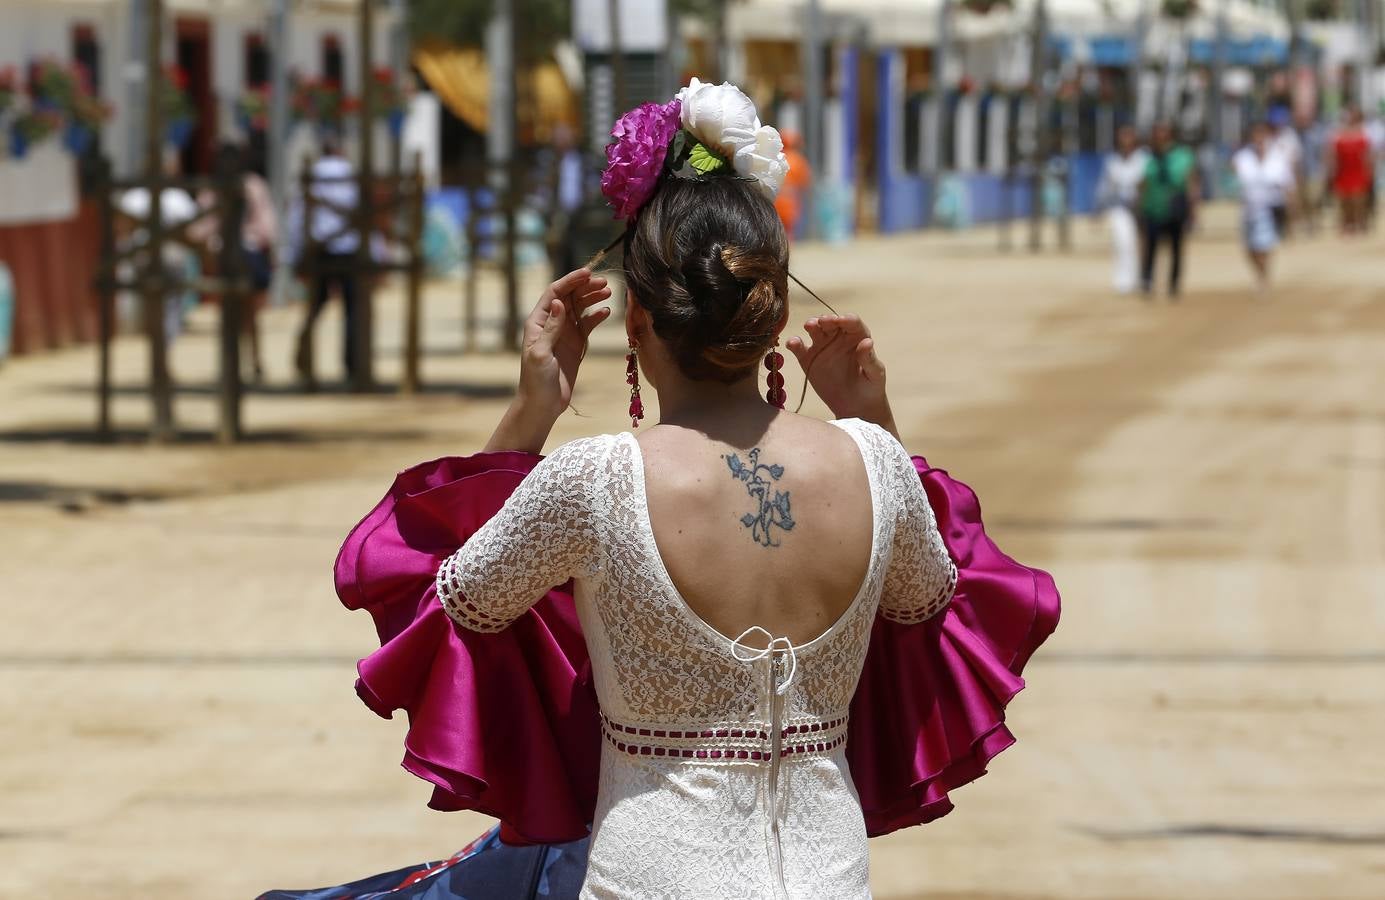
x=472, y=256
x=362, y=376
x=155, y=278
x=412, y=309
x=310, y=265
x=501, y=144
x=511, y=199
x=105, y=297
x=1038, y=73
x=230, y=208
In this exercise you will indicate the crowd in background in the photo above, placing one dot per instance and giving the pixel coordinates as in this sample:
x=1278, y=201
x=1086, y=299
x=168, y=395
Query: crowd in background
x=1286, y=175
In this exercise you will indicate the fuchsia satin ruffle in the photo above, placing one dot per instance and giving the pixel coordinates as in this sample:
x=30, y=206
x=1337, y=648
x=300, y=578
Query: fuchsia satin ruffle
x=507, y=723
x=929, y=711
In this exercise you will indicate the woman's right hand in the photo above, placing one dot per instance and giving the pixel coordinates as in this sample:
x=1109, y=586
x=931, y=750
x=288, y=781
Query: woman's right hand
x=554, y=341
x=841, y=365
x=555, y=338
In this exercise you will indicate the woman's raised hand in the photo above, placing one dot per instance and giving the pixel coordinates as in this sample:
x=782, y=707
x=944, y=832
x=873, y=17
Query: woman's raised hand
x=555, y=338
x=841, y=365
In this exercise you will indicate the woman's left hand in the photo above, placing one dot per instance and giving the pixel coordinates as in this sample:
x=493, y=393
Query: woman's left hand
x=843, y=369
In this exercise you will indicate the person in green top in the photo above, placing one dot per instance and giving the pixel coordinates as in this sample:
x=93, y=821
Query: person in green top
x=1168, y=204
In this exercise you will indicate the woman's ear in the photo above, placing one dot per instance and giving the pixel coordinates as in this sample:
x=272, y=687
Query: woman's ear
x=636, y=319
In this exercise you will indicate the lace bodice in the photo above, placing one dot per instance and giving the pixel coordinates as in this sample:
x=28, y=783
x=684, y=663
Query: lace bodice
x=706, y=738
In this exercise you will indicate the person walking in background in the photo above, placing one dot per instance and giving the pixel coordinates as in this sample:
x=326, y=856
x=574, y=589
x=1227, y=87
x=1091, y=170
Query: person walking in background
x=568, y=192
x=1168, y=204
x=1265, y=178
x=789, y=203
x=1350, y=175
x=259, y=236
x=1312, y=190
x=259, y=231
x=1118, y=193
x=333, y=242
x=1375, y=136
x=1284, y=142
x=180, y=259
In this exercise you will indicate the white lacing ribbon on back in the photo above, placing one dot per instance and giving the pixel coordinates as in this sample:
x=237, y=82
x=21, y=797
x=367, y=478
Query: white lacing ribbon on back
x=774, y=644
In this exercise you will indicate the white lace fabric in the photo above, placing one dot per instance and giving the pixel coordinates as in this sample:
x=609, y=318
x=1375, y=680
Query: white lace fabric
x=723, y=772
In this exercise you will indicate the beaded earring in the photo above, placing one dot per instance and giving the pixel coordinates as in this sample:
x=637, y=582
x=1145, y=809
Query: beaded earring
x=774, y=393
x=632, y=378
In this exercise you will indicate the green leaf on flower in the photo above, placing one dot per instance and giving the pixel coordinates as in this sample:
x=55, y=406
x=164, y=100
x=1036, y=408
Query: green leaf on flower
x=677, y=149
x=704, y=161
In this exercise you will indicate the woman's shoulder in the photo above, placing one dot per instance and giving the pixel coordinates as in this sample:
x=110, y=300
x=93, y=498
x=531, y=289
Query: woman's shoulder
x=880, y=449
x=591, y=447
x=877, y=437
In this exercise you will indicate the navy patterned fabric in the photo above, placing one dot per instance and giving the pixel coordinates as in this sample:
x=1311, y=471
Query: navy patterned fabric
x=485, y=869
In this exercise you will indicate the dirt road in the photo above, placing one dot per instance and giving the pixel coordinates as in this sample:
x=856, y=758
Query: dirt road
x=1206, y=481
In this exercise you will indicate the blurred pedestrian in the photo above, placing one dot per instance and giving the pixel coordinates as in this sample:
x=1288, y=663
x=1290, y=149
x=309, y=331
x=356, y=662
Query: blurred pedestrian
x=1312, y=190
x=1350, y=172
x=179, y=258
x=1265, y=178
x=1284, y=141
x=333, y=242
x=1118, y=194
x=569, y=190
x=259, y=237
x=1375, y=134
x=259, y=229
x=794, y=192
x=1169, y=194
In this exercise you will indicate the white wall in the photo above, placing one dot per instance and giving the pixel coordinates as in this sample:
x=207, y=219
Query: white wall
x=42, y=187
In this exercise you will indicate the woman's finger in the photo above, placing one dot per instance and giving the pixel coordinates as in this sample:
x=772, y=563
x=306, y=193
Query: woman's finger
x=595, y=283
x=870, y=364
x=592, y=297
x=799, y=350
x=569, y=281
x=554, y=323
x=593, y=319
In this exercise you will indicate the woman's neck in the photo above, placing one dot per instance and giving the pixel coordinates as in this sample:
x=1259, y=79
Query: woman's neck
x=683, y=401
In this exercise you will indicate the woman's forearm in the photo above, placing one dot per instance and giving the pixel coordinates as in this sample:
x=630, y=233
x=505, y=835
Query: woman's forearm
x=524, y=426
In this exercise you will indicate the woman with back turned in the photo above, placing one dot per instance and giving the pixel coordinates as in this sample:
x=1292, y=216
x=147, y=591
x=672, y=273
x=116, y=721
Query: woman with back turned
x=763, y=650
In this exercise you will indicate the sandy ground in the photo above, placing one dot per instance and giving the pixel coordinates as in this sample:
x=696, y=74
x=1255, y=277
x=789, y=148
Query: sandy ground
x=1205, y=480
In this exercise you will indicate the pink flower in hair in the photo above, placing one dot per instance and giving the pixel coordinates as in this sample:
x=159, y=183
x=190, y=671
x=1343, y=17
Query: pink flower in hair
x=635, y=155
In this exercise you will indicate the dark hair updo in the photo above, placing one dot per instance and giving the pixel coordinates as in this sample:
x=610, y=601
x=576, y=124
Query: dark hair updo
x=708, y=260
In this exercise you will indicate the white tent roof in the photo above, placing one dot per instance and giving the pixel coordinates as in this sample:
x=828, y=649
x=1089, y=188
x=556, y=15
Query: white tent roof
x=914, y=23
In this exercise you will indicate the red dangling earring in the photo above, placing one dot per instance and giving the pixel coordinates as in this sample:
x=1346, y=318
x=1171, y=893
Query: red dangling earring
x=632, y=378
x=774, y=361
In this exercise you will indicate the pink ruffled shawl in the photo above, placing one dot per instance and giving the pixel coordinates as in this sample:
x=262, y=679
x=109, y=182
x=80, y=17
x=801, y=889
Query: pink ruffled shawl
x=507, y=724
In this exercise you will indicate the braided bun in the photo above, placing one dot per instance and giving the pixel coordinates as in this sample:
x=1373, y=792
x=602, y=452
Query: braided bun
x=708, y=260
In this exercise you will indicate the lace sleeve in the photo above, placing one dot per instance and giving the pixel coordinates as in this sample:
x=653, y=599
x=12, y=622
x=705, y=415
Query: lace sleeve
x=921, y=577
x=538, y=539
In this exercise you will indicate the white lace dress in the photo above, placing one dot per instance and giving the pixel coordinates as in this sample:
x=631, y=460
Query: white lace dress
x=723, y=772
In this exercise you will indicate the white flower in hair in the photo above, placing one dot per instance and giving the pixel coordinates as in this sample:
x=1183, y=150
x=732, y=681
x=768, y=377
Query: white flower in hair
x=764, y=160
x=723, y=117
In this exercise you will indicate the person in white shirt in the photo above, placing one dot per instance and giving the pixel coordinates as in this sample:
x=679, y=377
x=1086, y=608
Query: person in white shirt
x=180, y=260
x=1265, y=178
x=1118, y=194
x=335, y=240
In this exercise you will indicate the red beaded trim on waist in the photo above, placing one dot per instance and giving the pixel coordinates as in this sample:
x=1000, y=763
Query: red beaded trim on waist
x=750, y=743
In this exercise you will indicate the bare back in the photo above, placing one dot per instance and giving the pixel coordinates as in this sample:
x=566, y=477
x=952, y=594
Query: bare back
x=776, y=534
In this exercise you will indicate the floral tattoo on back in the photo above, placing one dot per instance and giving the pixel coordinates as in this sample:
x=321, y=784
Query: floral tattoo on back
x=774, y=504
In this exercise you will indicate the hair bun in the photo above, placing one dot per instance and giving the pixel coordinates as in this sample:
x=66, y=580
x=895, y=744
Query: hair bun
x=709, y=262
